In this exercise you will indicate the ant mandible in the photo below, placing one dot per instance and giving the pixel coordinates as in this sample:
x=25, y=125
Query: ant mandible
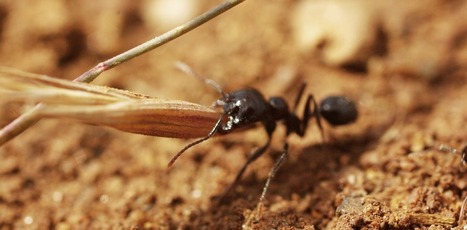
x=248, y=106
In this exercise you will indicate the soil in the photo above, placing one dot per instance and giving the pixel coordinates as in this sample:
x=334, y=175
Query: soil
x=385, y=171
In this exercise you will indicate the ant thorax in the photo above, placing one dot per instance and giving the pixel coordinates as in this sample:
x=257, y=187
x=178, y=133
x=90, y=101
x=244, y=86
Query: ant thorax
x=243, y=108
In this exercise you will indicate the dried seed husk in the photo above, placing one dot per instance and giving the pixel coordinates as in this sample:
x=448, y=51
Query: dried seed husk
x=100, y=105
x=155, y=117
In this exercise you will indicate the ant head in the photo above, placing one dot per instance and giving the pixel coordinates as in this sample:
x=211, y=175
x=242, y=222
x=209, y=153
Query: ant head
x=338, y=110
x=279, y=107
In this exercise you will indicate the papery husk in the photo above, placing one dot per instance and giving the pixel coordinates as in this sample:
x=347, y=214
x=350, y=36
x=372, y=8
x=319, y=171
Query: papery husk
x=105, y=106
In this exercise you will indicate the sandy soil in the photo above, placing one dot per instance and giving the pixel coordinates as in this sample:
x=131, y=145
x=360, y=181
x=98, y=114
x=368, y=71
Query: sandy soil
x=404, y=64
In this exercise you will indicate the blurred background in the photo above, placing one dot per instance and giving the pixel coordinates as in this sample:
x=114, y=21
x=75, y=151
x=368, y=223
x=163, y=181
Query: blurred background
x=403, y=63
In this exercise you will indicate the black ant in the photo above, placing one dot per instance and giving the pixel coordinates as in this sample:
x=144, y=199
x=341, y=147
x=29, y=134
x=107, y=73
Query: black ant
x=245, y=107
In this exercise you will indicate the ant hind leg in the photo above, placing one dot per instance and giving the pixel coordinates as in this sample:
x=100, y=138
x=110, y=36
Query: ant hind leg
x=271, y=175
x=308, y=113
x=299, y=96
x=256, y=215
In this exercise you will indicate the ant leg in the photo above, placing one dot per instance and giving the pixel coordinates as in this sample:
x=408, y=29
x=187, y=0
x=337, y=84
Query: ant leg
x=213, y=131
x=464, y=155
x=257, y=153
x=188, y=70
x=271, y=174
x=462, y=212
x=299, y=95
x=307, y=114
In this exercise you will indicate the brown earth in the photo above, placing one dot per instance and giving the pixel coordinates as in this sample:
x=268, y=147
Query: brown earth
x=383, y=172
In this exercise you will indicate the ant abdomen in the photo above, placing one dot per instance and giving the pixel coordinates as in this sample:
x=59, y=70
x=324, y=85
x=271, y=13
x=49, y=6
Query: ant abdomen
x=338, y=110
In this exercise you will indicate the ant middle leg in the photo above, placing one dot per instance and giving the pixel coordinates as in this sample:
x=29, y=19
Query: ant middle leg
x=257, y=153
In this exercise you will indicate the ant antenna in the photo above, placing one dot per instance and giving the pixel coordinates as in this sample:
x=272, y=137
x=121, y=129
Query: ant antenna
x=189, y=71
x=213, y=131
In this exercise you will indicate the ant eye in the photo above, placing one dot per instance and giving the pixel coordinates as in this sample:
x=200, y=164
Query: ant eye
x=338, y=110
x=279, y=106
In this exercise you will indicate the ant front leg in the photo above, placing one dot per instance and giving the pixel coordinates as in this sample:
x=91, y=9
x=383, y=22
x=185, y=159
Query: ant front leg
x=213, y=131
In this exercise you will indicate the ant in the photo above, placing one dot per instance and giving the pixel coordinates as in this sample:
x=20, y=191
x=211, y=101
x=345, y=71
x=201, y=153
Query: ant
x=246, y=107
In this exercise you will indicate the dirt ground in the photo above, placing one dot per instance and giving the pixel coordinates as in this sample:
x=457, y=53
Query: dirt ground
x=403, y=63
